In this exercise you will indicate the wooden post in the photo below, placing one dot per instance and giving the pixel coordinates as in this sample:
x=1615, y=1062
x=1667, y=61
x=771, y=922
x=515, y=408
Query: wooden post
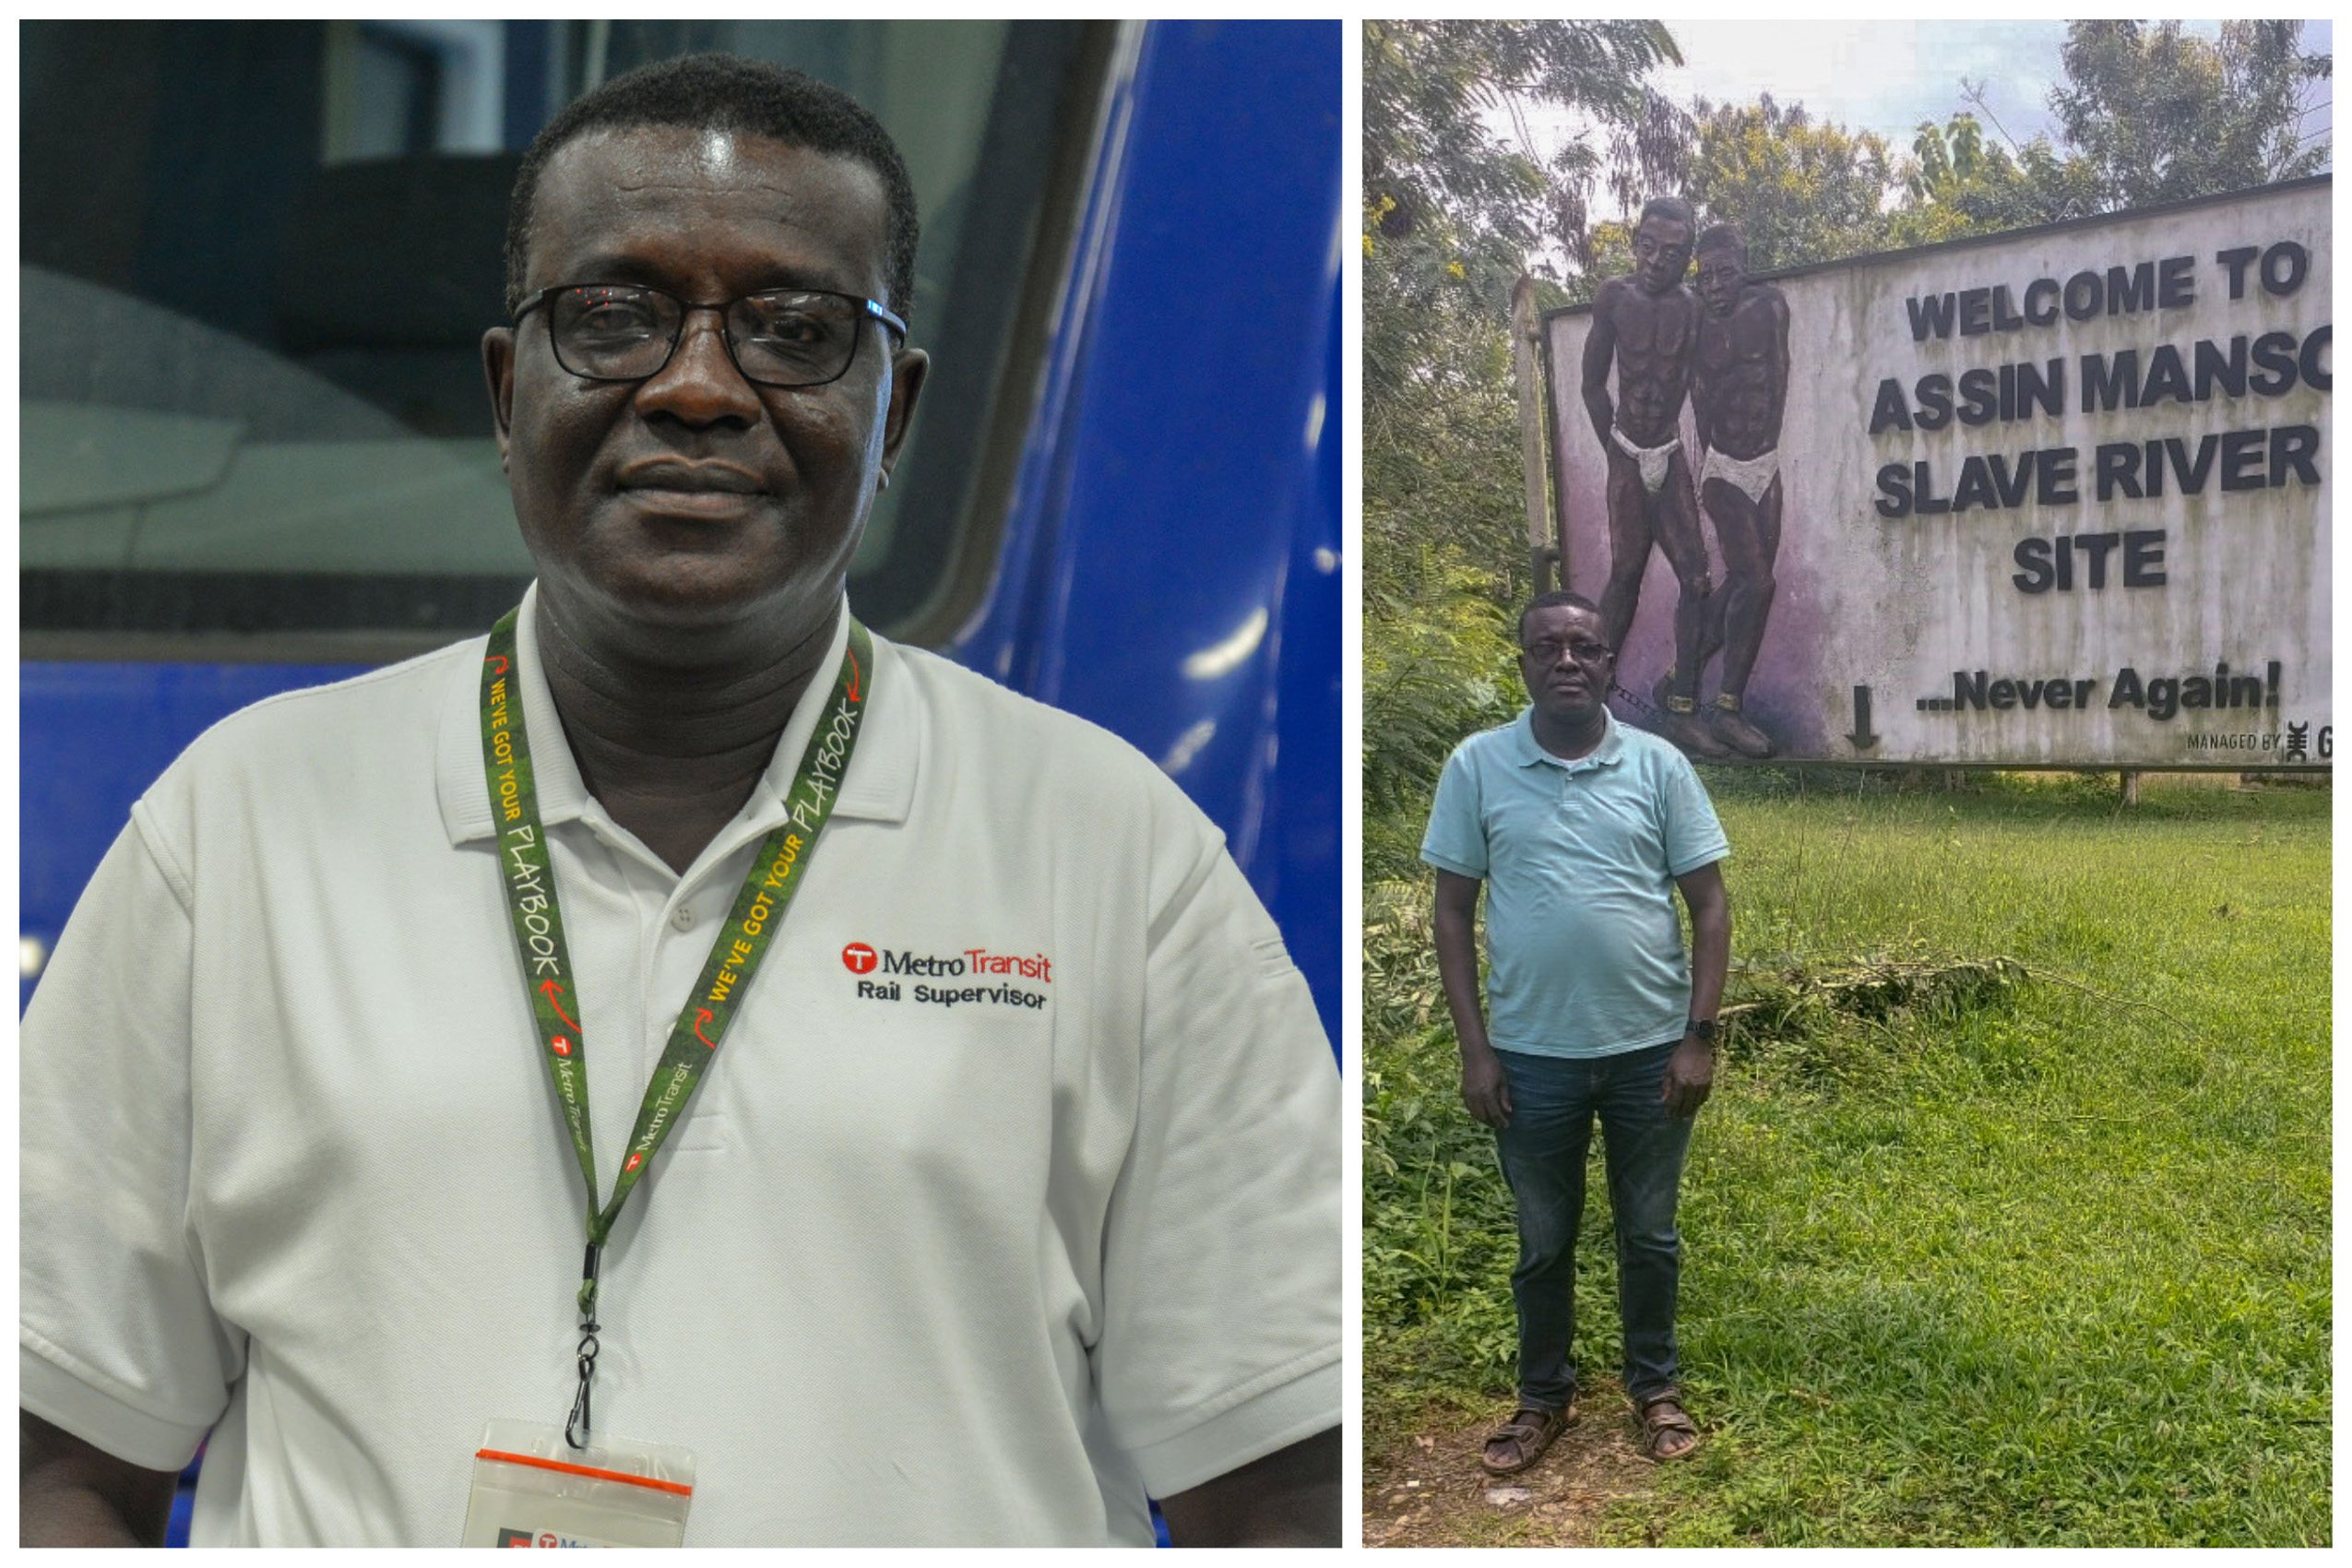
x=1542, y=553
x=2131, y=786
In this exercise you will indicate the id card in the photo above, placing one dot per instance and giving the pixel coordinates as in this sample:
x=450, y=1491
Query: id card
x=533, y=1489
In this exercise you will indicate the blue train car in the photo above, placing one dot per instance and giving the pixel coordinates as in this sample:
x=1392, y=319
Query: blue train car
x=256, y=440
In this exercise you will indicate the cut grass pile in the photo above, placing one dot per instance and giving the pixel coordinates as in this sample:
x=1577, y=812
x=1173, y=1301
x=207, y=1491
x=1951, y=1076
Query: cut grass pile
x=2009, y=1220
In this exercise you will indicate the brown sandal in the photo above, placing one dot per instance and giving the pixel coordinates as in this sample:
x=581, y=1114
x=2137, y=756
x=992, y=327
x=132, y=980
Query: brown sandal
x=1524, y=1437
x=1661, y=1414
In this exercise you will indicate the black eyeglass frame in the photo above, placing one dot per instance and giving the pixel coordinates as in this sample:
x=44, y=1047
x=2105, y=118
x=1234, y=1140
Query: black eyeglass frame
x=872, y=308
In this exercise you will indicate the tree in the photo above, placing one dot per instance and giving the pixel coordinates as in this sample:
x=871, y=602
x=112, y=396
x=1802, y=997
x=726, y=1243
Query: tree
x=1429, y=157
x=1946, y=157
x=2147, y=114
x=2161, y=115
x=1442, y=482
x=1800, y=190
x=1455, y=211
x=1956, y=182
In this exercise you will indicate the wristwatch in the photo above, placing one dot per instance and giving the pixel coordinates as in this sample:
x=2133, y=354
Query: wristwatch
x=1704, y=1028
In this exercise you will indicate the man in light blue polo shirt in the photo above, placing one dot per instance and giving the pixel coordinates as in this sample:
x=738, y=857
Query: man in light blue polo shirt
x=1582, y=829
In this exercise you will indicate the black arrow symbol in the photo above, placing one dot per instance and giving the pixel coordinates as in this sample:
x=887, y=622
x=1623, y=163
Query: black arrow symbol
x=1862, y=737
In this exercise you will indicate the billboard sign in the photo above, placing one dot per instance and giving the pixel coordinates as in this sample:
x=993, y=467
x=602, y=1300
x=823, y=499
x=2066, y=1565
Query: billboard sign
x=2050, y=498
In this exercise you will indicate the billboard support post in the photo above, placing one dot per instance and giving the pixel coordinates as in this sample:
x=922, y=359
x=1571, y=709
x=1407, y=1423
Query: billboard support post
x=1540, y=553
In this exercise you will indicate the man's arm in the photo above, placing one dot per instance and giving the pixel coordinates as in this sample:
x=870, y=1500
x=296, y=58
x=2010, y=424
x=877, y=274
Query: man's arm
x=70, y=1493
x=1600, y=348
x=1690, y=1074
x=1288, y=1498
x=1483, y=1089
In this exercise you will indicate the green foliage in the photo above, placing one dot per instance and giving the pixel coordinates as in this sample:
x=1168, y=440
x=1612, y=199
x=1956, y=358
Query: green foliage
x=1453, y=215
x=1438, y=1227
x=1978, y=1262
x=2147, y=114
x=2160, y=115
x=1613, y=253
x=1958, y=183
x=1440, y=438
x=1430, y=160
x=1439, y=665
x=1799, y=189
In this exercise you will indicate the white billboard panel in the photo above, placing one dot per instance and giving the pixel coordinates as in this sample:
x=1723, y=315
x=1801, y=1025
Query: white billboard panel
x=2055, y=498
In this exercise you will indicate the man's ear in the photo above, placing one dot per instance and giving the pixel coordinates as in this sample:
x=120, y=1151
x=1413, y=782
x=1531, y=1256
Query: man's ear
x=908, y=371
x=498, y=364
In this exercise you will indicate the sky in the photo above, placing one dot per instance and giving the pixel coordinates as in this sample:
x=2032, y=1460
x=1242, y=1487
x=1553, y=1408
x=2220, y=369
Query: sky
x=1886, y=77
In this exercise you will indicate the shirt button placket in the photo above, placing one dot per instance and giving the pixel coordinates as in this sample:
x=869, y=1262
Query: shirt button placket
x=660, y=1010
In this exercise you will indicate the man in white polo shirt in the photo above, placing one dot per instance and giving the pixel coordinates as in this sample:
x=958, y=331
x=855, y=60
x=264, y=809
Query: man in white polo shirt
x=377, y=1091
x=1582, y=832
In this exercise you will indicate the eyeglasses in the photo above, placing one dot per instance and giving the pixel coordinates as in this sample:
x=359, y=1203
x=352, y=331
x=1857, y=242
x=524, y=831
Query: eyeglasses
x=784, y=337
x=1546, y=650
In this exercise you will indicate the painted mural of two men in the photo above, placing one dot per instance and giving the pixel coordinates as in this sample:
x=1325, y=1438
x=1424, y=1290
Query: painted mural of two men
x=1725, y=348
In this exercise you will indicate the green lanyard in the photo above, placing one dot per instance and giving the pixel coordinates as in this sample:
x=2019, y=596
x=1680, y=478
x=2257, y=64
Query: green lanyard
x=548, y=985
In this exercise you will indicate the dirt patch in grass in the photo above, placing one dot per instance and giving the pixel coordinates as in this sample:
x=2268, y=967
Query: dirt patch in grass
x=1429, y=1490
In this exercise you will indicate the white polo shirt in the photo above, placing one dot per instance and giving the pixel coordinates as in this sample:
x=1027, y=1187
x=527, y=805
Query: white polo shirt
x=911, y=1270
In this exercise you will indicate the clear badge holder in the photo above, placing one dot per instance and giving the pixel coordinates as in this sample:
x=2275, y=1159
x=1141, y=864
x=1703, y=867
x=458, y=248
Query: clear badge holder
x=533, y=1489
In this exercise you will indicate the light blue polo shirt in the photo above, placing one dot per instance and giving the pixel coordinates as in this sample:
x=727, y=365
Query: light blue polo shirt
x=1584, y=952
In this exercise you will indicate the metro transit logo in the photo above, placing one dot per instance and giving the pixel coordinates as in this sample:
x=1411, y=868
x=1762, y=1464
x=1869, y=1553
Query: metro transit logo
x=859, y=958
x=509, y=1537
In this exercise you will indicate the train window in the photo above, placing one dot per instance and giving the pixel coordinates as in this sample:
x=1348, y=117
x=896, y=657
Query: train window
x=257, y=259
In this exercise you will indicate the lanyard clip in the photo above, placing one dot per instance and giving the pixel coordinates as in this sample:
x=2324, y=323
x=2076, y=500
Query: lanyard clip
x=579, y=1422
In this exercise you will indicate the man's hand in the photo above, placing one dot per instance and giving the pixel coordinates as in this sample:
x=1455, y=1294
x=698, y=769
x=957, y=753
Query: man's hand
x=1689, y=1072
x=70, y=1493
x=1288, y=1498
x=1484, y=1088
x=1689, y=1076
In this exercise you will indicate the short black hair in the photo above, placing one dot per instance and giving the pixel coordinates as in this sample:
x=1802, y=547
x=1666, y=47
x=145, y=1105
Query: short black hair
x=1724, y=237
x=1674, y=209
x=726, y=92
x=1558, y=598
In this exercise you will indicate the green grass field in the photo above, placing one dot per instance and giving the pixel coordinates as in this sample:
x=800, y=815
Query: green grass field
x=1988, y=1259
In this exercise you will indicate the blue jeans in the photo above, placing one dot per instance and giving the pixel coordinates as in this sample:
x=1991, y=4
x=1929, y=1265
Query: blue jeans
x=1553, y=1101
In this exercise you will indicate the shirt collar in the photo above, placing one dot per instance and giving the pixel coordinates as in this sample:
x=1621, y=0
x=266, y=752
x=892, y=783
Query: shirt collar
x=879, y=787
x=1529, y=751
